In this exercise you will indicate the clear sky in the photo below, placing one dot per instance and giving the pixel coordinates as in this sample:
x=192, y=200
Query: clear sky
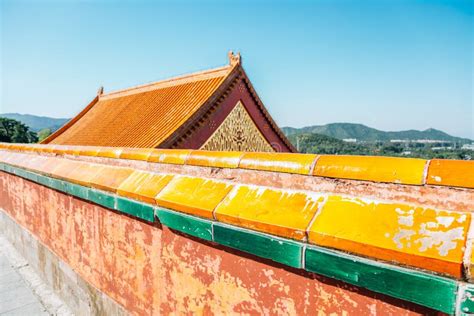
x=392, y=65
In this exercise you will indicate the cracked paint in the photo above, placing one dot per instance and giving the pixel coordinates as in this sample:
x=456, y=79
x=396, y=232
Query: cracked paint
x=151, y=270
x=423, y=237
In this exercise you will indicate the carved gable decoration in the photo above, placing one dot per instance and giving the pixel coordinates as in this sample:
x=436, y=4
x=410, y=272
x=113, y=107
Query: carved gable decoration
x=238, y=132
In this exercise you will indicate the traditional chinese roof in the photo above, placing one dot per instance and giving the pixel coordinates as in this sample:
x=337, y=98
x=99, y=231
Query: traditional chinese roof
x=166, y=113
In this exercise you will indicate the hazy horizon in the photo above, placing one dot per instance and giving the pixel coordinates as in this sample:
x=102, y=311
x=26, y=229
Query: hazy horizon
x=388, y=65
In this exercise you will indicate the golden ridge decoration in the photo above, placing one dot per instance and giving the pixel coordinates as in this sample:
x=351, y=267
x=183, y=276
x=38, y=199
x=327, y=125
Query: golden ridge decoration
x=237, y=132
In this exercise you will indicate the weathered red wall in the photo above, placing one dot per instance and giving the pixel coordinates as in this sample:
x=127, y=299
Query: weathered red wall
x=153, y=270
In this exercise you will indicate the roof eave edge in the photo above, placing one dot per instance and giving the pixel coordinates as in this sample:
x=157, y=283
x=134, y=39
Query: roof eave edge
x=266, y=114
x=181, y=131
x=71, y=122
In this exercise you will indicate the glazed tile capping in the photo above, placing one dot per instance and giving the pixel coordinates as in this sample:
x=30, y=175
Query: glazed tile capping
x=408, y=171
x=411, y=235
x=300, y=229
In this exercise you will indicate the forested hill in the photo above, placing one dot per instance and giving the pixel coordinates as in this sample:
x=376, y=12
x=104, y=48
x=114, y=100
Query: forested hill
x=37, y=123
x=361, y=132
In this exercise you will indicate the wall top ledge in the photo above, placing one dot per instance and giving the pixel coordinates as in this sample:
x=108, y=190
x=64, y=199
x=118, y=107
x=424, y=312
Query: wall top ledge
x=408, y=171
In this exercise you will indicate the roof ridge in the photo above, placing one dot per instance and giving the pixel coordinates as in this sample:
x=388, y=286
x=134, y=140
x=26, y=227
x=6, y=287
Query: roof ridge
x=194, y=76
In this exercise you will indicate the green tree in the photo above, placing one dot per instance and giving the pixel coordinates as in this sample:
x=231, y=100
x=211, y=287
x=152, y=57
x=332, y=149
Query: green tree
x=45, y=132
x=12, y=131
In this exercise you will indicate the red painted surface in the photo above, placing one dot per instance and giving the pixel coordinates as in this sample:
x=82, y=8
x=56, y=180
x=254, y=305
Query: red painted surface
x=153, y=270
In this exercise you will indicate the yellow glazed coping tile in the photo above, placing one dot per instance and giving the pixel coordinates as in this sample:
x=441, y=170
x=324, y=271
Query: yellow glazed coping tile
x=110, y=178
x=280, y=162
x=171, y=156
x=7, y=156
x=87, y=151
x=469, y=261
x=152, y=186
x=371, y=168
x=84, y=173
x=136, y=153
x=277, y=212
x=18, y=159
x=50, y=165
x=16, y=146
x=65, y=168
x=127, y=188
x=30, y=147
x=196, y=196
x=415, y=236
x=37, y=163
x=110, y=152
x=144, y=186
x=218, y=159
x=47, y=148
x=457, y=173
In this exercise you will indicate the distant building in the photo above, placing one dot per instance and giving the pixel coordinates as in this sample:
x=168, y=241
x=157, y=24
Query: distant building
x=420, y=141
x=468, y=146
x=350, y=140
x=216, y=109
x=441, y=148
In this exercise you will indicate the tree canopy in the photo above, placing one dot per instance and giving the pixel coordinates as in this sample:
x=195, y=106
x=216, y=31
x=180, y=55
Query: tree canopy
x=12, y=131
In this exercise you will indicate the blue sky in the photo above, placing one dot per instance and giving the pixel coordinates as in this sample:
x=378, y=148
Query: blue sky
x=392, y=65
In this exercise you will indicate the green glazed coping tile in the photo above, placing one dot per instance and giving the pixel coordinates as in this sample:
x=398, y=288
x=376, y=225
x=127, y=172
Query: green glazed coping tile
x=57, y=184
x=466, y=299
x=77, y=190
x=266, y=246
x=422, y=288
x=5, y=167
x=101, y=198
x=33, y=176
x=44, y=180
x=187, y=224
x=20, y=172
x=135, y=208
x=11, y=169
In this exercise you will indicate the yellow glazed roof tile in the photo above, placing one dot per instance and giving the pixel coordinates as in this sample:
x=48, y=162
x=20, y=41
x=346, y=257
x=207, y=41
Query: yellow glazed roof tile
x=143, y=116
x=415, y=236
x=277, y=212
x=380, y=169
x=191, y=195
x=458, y=173
x=281, y=162
x=219, y=159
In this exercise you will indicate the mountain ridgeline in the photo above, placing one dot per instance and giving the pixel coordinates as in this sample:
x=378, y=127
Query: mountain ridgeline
x=37, y=123
x=364, y=133
x=363, y=140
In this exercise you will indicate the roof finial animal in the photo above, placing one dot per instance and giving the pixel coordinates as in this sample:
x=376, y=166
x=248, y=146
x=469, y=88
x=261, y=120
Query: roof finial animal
x=100, y=91
x=234, y=59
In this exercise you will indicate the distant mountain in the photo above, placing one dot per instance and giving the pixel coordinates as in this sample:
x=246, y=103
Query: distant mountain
x=364, y=133
x=37, y=123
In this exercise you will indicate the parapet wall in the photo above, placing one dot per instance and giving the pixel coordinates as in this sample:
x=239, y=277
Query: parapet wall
x=193, y=231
